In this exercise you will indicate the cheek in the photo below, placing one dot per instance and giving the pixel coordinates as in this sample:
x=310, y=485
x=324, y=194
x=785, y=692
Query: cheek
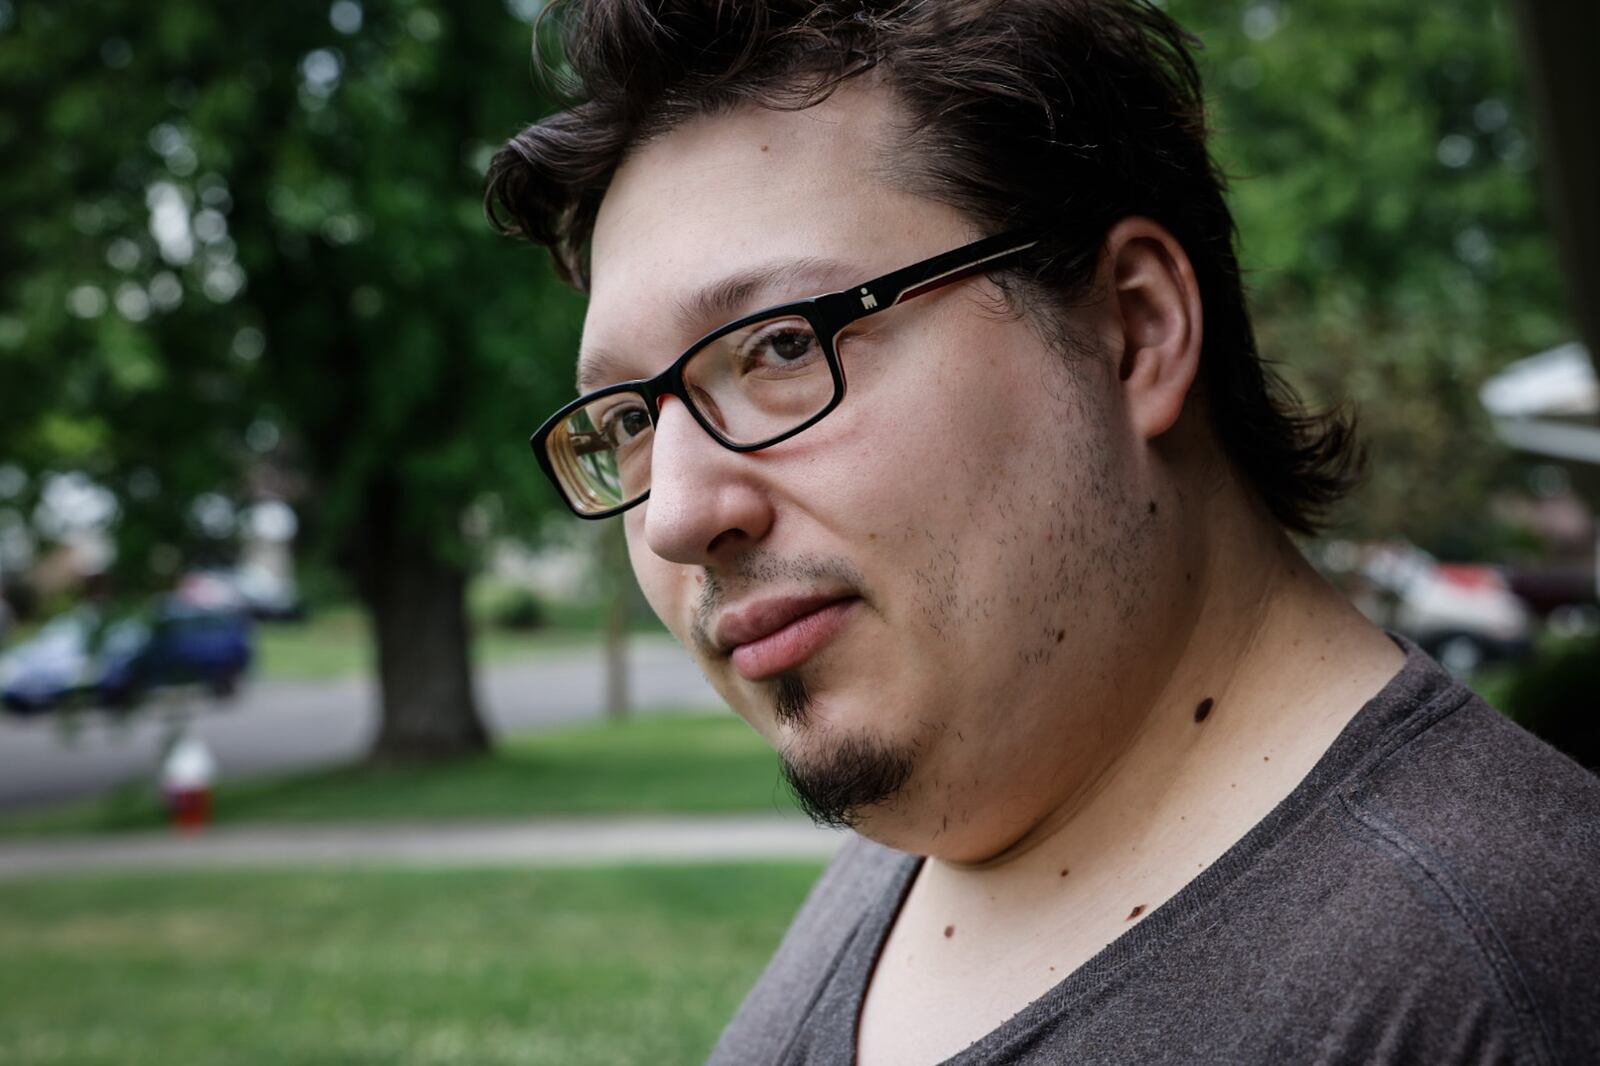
x=997, y=506
x=946, y=482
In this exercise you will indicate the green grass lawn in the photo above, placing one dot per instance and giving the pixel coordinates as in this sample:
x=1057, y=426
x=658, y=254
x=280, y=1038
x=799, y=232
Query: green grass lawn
x=603, y=966
x=337, y=642
x=330, y=644
x=700, y=763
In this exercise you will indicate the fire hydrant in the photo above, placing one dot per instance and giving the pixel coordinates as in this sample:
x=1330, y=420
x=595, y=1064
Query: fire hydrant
x=186, y=779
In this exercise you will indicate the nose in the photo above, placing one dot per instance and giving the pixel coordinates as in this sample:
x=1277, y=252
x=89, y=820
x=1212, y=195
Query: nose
x=706, y=502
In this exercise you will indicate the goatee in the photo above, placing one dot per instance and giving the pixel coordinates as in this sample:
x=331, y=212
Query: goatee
x=854, y=774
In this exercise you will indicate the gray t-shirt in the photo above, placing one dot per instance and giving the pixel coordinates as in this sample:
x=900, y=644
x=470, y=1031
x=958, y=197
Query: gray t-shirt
x=1430, y=893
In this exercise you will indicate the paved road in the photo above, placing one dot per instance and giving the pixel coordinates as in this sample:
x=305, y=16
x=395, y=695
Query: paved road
x=284, y=725
x=546, y=842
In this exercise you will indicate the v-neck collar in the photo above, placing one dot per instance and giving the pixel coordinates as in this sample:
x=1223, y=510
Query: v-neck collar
x=1417, y=695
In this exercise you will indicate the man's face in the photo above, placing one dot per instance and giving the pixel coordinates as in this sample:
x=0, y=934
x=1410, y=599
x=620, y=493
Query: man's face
x=931, y=592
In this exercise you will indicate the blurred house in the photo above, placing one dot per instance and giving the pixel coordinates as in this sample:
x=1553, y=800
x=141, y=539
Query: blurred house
x=1548, y=405
x=68, y=549
x=1463, y=614
x=66, y=569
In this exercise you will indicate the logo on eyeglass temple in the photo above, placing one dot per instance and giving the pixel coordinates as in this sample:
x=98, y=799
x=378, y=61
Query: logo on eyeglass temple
x=868, y=300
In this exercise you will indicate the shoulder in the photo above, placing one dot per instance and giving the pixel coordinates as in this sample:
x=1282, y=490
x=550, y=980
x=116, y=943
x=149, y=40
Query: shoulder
x=1502, y=809
x=859, y=877
x=1501, y=834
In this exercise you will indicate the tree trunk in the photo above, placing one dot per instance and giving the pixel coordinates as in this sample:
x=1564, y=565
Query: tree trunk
x=1558, y=39
x=619, y=593
x=417, y=607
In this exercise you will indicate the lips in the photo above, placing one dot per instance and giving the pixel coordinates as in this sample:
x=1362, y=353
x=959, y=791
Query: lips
x=767, y=637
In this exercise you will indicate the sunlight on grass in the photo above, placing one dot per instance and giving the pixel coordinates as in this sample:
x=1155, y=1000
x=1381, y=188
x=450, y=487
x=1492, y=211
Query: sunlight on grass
x=533, y=966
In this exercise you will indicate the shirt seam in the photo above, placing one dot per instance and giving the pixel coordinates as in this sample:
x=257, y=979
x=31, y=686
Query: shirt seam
x=1484, y=935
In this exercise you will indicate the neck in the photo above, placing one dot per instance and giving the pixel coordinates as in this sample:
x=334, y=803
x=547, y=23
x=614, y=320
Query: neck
x=1263, y=669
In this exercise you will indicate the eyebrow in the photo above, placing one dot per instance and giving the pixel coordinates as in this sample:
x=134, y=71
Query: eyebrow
x=723, y=300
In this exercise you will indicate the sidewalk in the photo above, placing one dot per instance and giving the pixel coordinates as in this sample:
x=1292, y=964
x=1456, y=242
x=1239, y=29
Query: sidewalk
x=545, y=842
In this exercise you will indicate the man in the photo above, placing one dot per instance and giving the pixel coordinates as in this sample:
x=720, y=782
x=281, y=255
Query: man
x=917, y=366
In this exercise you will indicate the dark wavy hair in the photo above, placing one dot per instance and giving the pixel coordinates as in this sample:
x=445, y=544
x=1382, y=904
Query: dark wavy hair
x=1058, y=116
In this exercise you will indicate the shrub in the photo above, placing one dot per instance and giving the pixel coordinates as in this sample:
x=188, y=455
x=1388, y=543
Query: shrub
x=1556, y=694
x=519, y=610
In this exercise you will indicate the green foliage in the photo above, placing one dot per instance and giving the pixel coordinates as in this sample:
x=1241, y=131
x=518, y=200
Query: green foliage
x=245, y=250
x=1382, y=164
x=1556, y=694
x=568, y=967
x=516, y=609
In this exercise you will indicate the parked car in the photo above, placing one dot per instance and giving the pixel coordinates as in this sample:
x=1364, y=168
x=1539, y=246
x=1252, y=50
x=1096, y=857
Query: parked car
x=1463, y=614
x=182, y=645
x=1567, y=597
x=115, y=664
x=52, y=667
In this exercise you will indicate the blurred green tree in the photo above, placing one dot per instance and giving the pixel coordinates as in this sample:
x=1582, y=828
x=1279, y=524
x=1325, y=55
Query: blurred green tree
x=1392, y=235
x=245, y=243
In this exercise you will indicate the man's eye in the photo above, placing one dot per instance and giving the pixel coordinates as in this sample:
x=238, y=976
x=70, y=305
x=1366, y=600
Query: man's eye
x=622, y=424
x=780, y=347
x=791, y=344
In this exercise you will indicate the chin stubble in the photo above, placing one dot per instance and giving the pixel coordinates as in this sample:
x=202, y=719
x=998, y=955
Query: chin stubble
x=852, y=775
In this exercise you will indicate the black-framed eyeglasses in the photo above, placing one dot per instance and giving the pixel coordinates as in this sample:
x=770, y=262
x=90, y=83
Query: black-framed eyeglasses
x=751, y=383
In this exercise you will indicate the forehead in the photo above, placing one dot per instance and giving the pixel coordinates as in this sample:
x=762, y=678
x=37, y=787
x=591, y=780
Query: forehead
x=799, y=196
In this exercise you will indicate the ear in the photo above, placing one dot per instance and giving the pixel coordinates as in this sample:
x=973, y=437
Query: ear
x=1155, y=305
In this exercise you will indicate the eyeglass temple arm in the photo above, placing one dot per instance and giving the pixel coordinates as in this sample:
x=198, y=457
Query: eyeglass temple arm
x=908, y=282
x=587, y=443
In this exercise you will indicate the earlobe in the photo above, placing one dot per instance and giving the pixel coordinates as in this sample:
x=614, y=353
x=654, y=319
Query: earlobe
x=1156, y=306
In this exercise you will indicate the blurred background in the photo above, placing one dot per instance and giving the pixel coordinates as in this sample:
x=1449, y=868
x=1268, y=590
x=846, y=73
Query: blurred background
x=281, y=585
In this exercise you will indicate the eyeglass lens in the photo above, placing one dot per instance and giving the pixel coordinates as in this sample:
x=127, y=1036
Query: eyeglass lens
x=751, y=385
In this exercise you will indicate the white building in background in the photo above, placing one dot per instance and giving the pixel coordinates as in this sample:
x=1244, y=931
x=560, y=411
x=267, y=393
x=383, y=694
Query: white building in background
x=563, y=569
x=265, y=574
x=1549, y=405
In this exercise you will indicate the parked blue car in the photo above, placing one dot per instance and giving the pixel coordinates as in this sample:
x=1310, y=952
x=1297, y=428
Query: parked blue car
x=76, y=657
x=50, y=668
